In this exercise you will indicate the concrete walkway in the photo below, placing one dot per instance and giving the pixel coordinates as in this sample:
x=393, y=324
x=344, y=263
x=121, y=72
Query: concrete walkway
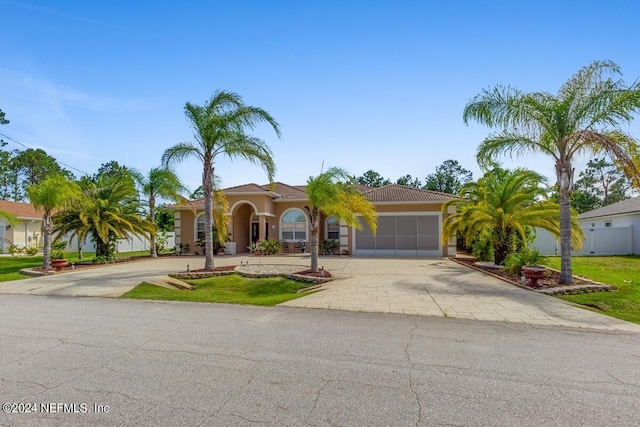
x=429, y=287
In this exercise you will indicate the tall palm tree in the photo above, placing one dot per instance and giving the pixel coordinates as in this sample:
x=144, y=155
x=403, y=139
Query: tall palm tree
x=53, y=193
x=583, y=118
x=501, y=205
x=333, y=193
x=220, y=127
x=159, y=183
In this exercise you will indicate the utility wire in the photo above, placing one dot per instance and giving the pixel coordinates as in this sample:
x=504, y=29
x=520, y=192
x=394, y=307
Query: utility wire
x=27, y=147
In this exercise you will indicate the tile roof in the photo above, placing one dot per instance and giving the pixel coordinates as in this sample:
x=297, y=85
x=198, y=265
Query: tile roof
x=20, y=210
x=402, y=193
x=393, y=193
x=624, y=207
x=290, y=192
x=246, y=188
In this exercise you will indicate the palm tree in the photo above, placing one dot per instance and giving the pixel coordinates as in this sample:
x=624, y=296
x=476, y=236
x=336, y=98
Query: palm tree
x=583, y=118
x=8, y=217
x=220, y=128
x=108, y=210
x=54, y=192
x=159, y=183
x=333, y=193
x=501, y=206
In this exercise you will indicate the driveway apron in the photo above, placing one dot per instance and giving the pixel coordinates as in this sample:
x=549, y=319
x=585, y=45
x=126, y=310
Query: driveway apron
x=415, y=286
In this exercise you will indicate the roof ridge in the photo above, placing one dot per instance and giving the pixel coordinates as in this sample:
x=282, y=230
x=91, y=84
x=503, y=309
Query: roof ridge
x=241, y=185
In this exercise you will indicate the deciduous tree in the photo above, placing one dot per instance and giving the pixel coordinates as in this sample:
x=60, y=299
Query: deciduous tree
x=448, y=178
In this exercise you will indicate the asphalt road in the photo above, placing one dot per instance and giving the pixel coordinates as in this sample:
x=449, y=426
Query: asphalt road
x=90, y=361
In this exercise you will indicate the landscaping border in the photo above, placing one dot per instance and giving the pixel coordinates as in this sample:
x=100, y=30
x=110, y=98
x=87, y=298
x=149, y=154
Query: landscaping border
x=592, y=286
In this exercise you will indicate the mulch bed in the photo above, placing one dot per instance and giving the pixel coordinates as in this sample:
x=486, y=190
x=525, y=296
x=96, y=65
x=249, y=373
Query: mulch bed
x=548, y=284
x=319, y=273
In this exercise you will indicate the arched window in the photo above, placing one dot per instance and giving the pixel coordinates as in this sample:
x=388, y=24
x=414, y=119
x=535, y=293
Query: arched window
x=293, y=225
x=200, y=227
x=333, y=228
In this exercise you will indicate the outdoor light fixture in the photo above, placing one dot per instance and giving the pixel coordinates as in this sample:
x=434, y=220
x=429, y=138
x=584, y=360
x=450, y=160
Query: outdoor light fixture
x=273, y=227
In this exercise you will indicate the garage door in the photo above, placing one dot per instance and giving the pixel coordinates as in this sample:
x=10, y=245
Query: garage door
x=400, y=235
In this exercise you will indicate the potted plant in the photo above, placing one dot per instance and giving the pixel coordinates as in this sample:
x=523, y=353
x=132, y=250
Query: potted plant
x=58, y=260
x=255, y=248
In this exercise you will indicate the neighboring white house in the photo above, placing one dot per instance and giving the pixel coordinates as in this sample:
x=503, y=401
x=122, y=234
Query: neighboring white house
x=610, y=230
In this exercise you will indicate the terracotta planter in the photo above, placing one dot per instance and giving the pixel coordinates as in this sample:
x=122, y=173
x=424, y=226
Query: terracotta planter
x=59, y=264
x=533, y=274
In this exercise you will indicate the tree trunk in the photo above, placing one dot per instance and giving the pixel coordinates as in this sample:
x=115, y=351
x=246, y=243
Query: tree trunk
x=500, y=249
x=152, y=236
x=47, y=226
x=315, y=230
x=207, y=185
x=565, y=176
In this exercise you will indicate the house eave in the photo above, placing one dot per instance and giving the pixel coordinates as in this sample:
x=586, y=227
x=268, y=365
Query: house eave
x=616, y=215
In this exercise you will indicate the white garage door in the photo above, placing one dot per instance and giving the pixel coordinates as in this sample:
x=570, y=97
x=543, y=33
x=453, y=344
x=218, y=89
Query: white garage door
x=400, y=235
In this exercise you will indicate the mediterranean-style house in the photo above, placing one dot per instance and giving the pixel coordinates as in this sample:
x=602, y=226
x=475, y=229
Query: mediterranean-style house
x=27, y=231
x=409, y=221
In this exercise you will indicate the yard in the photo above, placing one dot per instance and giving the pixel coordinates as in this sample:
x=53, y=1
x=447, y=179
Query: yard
x=231, y=289
x=10, y=266
x=620, y=271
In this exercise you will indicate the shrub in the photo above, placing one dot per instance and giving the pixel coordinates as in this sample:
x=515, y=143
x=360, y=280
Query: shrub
x=15, y=250
x=515, y=261
x=270, y=247
x=482, y=249
x=102, y=259
x=31, y=250
x=329, y=247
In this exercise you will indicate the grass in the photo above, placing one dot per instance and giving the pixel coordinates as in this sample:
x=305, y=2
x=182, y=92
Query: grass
x=620, y=271
x=10, y=266
x=231, y=289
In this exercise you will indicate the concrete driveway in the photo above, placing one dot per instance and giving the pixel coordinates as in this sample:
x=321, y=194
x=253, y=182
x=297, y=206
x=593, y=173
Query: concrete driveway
x=429, y=287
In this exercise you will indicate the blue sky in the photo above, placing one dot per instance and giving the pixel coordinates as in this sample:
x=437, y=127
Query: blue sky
x=359, y=84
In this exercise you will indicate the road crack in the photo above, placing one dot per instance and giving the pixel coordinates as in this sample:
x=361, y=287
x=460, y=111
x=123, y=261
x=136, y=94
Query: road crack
x=412, y=385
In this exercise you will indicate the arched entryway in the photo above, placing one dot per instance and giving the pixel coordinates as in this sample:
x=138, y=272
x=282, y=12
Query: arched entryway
x=248, y=226
x=241, y=226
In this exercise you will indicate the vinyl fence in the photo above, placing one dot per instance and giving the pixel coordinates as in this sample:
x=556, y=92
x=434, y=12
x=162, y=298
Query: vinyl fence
x=131, y=244
x=598, y=241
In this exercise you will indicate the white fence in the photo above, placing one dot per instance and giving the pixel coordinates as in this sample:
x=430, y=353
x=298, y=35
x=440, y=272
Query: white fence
x=131, y=244
x=597, y=241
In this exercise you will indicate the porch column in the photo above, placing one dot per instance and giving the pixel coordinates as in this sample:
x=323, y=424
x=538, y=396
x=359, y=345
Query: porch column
x=262, y=228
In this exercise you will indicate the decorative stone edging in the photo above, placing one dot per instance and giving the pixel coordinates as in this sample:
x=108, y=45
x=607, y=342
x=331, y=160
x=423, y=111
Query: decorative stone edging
x=558, y=290
x=35, y=273
x=308, y=279
x=194, y=275
x=256, y=275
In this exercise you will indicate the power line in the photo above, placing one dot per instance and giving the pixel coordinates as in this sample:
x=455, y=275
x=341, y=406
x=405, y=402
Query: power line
x=27, y=147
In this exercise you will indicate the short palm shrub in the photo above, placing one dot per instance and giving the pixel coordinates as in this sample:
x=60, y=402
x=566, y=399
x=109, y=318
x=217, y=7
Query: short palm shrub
x=270, y=247
x=515, y=261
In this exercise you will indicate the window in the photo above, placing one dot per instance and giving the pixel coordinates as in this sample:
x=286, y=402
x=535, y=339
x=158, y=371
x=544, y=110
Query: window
x=293, y=225
x=200, y=228
x=333, y=228
x=607, y=223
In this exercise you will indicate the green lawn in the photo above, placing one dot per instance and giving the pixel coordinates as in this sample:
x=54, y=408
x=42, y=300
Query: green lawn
x=232, y=289
x=620, y=271
x=10, y=266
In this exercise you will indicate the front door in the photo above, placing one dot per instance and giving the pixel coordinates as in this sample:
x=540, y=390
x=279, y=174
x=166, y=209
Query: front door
x=255, y=230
